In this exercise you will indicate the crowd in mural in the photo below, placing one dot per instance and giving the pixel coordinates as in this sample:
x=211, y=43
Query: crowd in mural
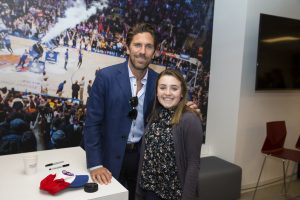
x=175, y=22
x=30, y=122
x=183, y=27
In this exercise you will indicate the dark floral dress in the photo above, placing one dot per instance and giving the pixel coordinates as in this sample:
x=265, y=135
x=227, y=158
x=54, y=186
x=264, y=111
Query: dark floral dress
x=159, y=170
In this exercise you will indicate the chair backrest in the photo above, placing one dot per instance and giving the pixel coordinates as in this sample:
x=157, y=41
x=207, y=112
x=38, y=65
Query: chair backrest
x=298, y=143
x=276, y=134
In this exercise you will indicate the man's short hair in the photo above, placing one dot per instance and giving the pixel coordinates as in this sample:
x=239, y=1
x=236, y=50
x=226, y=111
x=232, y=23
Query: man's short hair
x=141, y=28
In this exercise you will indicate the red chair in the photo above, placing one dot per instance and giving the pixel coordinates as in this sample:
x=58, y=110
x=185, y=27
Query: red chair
x=274, y=146
x=298, y=143
x=298, y=147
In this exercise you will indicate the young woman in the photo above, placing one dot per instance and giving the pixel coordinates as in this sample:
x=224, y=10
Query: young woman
x=170, y=152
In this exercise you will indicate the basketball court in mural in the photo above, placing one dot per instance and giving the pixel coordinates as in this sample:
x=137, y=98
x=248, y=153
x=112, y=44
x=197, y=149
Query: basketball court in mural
x=29, y=77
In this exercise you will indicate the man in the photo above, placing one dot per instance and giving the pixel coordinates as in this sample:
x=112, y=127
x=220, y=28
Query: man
x=81, y=84
x=66, y=59
x=44, y=84
x=79, y=59
x=60, y=88
x=89, y=88
x=112, y=149
x=120, y=102
x=7, y=43
x=23, y=58
x=38, y=49
x=75, y=90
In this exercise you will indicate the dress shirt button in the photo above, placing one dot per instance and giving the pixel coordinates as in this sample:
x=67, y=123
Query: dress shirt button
x=118, y=157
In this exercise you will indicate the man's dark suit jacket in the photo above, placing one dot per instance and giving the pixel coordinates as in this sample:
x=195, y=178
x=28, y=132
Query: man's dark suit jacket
x=107, y=125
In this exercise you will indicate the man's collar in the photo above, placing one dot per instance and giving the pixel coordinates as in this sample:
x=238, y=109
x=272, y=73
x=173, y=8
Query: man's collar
x=132, y=76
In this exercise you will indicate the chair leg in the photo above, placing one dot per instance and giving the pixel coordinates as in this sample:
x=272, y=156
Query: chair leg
x=284, y=178
x=298, y=171
x=259, y=177
x=286, y=172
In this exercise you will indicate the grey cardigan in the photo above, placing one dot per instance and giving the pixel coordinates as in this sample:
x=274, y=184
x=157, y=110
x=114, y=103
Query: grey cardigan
x=188, y=137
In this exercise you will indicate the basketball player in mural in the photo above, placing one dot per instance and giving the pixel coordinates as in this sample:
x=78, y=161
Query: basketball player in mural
x=79, y=59
x=38, y=49
x=7, y=42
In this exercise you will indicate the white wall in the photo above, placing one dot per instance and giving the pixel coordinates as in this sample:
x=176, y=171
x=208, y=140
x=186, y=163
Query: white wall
x=225, y=77
x=237, y=115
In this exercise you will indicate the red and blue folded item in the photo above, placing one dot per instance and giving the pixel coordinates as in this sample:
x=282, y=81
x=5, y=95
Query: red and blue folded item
x=55, y=183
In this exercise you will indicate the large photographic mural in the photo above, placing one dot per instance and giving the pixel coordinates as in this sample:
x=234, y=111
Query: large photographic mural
x=44, y=43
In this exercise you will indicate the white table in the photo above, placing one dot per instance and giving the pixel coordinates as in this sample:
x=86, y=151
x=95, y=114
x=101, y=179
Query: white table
x=16, y=185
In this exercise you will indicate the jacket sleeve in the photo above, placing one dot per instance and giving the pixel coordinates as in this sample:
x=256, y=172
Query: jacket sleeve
x=139, y=193
x=93, y=131
x=193, y=136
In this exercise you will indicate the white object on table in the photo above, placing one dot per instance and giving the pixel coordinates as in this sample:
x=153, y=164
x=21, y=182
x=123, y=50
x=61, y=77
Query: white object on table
x=30, y=163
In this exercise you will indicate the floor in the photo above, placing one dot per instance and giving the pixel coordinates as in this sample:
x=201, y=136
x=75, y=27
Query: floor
x=275, y=192
x=26, y=80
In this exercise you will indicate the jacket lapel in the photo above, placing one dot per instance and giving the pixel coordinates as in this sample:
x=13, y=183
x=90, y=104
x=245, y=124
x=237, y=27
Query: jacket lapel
x=122, y=79
x=150, y=92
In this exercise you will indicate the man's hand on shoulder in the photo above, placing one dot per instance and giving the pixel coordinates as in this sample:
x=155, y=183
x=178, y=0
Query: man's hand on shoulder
x=101, y=175
x=192, y=105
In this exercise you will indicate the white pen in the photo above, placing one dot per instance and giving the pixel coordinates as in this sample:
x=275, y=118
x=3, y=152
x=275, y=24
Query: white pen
x=66, y=165
x=54, y=163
